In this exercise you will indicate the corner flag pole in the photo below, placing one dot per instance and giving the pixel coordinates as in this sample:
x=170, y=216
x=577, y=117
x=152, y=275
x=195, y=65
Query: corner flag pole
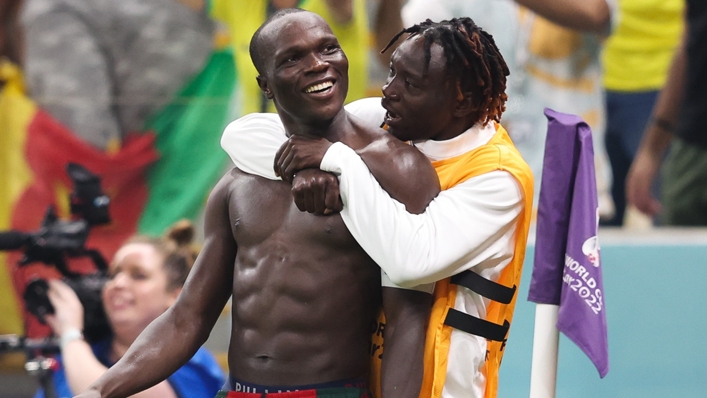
x=543, y=372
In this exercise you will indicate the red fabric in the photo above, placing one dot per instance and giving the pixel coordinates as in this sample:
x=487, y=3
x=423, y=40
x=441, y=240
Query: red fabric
x=49, y=148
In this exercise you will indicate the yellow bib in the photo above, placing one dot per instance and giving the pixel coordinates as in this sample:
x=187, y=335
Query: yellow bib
x=498, y=154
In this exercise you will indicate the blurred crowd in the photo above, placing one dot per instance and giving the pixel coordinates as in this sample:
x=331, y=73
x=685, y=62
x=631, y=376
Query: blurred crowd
x=139, y=91
x=106, y=71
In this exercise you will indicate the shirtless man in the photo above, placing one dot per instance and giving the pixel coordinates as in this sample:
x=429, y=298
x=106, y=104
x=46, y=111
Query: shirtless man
x=445, y=94
x=304, y=293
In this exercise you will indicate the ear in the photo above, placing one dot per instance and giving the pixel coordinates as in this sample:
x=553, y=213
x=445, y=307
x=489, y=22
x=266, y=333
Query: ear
x=263, y=84
x=465, y=105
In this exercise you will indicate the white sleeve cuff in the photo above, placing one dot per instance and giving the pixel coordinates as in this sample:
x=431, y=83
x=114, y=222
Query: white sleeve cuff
x=252, y=142
x=426, y=288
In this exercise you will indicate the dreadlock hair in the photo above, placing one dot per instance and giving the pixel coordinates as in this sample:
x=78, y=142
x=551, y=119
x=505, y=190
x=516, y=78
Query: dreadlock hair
x=176, y=249
x=472, y=60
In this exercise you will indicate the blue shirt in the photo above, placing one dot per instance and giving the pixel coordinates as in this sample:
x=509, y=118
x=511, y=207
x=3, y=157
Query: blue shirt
x=201, y=377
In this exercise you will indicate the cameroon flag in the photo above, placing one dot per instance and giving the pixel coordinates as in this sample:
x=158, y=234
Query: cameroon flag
x=154, y=178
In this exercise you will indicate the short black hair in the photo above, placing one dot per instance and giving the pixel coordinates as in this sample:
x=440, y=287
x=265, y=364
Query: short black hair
x=473, y=61
x=257, y=53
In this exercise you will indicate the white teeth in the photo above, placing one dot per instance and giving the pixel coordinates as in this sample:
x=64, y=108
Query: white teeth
x=319, y=87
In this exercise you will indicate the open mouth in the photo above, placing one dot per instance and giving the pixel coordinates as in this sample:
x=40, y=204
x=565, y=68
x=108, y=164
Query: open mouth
x=319, y=87
x=391, y=117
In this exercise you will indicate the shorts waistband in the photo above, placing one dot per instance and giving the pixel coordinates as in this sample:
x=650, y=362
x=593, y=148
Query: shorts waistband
x=244, y=386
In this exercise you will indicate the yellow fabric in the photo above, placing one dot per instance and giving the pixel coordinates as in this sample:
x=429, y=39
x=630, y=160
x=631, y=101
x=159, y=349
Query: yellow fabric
x=243, y=17
x=16, y=112
x=497, y=154
x=638, y=53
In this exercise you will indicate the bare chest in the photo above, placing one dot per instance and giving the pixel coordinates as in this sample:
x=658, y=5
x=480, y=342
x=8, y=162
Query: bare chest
x=262, y=210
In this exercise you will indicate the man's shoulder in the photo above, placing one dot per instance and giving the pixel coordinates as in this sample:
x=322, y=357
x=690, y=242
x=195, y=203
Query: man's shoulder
x=375, y=139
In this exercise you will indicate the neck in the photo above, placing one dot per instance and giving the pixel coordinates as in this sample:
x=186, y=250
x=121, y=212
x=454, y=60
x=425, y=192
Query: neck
x=454, y=129
x=332, y=129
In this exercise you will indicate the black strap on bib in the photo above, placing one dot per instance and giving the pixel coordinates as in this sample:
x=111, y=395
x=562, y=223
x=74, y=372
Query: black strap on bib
x=476, y=326
x=486, y=288
x=480, y=285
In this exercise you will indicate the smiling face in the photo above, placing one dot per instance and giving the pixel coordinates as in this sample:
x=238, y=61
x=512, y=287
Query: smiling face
x=137, y=291
x=419, y=98
x=305, y=72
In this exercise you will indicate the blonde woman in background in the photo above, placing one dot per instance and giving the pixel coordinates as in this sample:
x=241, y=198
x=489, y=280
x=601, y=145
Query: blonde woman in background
x=145, y=277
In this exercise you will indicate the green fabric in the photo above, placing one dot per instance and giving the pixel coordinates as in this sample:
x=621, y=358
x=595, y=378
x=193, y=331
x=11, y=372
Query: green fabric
x=684, y=183
x=188, y=140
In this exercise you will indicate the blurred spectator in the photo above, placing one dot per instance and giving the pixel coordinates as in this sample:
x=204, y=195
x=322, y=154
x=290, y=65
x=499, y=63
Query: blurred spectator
x=551, y=66
x=146, y=276
x=386, y=23
x=677, y=121
x=348, y=20
x=636, y=59
x=130, y=90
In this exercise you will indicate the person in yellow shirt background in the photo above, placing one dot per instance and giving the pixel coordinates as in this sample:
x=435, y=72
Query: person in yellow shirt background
x=636, y=59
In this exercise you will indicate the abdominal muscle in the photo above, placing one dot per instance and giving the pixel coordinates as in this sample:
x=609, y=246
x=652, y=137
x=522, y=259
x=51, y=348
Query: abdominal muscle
x=303, y=305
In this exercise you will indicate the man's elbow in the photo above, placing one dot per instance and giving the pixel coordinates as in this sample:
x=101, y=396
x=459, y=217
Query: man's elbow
x=419, y=204
x=427, y=189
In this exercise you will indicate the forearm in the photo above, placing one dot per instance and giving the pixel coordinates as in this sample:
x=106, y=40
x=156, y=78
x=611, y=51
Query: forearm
x=461, y=228
x=252, y=141
x=153, y=357
x=407, y=313
x=80, y=365
x=82, y=368
x=666, y=110
x=584, y=15
x=341, y=10
x=387, y=24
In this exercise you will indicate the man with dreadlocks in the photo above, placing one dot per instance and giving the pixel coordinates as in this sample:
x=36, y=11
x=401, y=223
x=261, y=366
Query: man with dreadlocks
x=471, y=239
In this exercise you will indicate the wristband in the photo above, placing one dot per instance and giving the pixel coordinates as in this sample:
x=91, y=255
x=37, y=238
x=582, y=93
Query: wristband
x=68, y=336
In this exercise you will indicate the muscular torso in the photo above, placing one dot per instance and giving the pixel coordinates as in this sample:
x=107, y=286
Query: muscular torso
x=304, y=293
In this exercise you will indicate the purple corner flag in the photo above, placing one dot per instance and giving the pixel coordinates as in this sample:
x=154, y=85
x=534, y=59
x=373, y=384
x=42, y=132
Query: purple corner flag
x=567, y=267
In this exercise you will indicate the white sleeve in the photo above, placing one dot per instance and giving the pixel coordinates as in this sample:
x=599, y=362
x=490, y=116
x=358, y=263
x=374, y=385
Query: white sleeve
x=469, y=225
x=425, y=287
x=369, y=110
x=252, y=142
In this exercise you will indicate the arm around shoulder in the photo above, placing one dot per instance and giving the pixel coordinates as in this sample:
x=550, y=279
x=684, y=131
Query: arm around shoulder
x=584, y=15
x=464, y=226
